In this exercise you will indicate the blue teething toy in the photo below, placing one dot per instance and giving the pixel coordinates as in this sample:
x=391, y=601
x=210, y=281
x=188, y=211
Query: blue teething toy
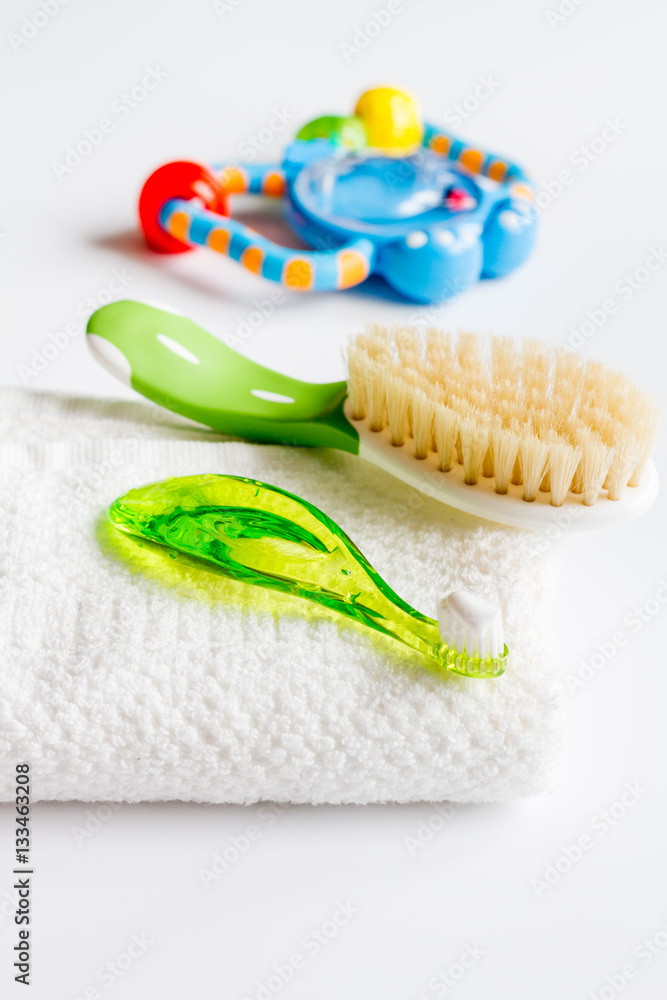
x=374, y=193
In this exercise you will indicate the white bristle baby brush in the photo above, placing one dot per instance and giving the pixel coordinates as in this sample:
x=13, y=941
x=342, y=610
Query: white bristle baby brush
x=523, y=434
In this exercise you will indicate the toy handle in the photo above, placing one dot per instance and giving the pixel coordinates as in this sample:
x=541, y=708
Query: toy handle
x=184, y=204
x=481, y=162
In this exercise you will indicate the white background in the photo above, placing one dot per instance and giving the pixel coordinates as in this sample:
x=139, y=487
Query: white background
x=554, y=85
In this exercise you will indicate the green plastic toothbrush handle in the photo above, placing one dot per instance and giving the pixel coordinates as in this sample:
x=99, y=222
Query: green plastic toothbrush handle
x=262, y=535
x=174, y=362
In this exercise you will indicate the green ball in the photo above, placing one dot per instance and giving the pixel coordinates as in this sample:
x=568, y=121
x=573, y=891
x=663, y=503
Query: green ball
x=349, y=132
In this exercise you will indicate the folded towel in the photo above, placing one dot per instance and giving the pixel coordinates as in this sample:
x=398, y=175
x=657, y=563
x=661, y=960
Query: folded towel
x=116, y=686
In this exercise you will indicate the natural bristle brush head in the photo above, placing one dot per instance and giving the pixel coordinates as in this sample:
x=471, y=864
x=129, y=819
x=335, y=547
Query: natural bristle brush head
x=519, y=421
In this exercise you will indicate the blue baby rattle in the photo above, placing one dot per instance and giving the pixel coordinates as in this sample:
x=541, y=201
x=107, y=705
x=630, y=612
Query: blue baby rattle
x=373, y=193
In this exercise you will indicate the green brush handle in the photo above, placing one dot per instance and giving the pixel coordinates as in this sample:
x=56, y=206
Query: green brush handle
x=262, y=535
x=176, y=363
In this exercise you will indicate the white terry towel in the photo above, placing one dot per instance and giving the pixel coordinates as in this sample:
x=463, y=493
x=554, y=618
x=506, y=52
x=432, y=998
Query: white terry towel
x=115, y=686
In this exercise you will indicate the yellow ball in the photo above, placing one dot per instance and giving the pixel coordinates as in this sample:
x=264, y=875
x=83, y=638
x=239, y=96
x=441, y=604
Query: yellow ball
x=391, y=118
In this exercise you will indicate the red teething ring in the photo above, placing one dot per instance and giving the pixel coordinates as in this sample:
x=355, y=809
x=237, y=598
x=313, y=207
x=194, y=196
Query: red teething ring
x=180, y=179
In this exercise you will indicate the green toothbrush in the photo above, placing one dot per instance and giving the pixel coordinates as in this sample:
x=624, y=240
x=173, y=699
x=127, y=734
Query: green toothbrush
x=262, y=535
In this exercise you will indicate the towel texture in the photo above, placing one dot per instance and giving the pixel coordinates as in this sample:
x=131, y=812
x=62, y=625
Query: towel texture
x=116, y=686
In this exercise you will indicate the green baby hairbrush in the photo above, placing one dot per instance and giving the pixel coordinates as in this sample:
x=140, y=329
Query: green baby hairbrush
x=262, y=535
x=522, y=434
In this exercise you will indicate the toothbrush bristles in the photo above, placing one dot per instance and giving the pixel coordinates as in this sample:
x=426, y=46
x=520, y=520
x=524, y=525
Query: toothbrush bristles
x=527, y=414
